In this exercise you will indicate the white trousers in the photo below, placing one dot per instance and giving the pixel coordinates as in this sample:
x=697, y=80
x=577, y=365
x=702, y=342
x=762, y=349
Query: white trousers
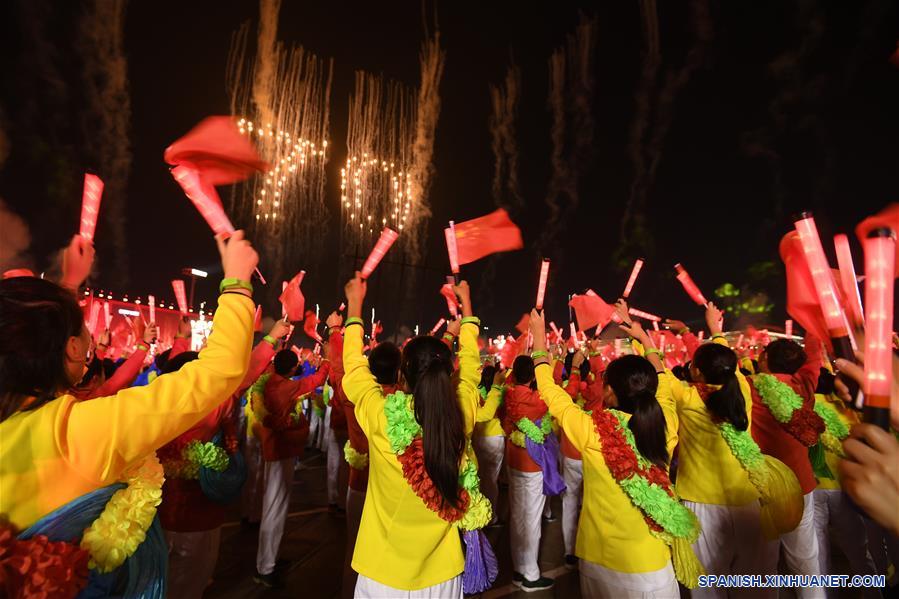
x=597, y=581
x=192, y=557
x=832, y=510
x=801, y=549
x=335, y=456
x=731, y=542
x=278, y=479
x=254, y=487
x=526, y=501
x=490, y=452
x=573, y=473
x=368, y=588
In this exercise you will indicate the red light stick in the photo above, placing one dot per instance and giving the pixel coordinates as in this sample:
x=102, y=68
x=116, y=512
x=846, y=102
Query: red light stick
x=283, y=307
x=701, y=335
x=556, y=330
x=452, y=250
x=342, y=307
x=180, y=295
x=437, y=326
x=107, y=316
x=317, y=350
x=541, y=287
x=848, y=280
x=257, y=319
x=94, y=316
x=151, y=300
x=204, y=198
x=642, y=314
x=90, y=205
x=689, y=286
x=630, y=282
x=880, y=257
x=573, y=330
x=788, y=328
x=655, y=325
x=388, y=236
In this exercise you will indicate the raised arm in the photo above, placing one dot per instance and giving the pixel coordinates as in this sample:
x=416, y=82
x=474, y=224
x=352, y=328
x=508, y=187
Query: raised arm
x=125, y=374
x=359, y=384
x=469, y=358
x=809, y=372
x=494, y=400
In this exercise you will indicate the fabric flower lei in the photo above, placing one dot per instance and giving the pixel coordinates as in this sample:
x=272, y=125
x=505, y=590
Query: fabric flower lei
x=194, y=455
x=788, y=408
x=356, y=459
x=39, y=567
x=835, y=429
x=404, y=435
x=527, y=428
x=123, y=524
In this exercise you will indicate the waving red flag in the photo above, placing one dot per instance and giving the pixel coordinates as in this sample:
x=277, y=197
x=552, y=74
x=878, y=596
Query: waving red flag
x=217, y=150
x=310, y=326
x=889, y=218
x=452, y=303
x=524, y=324
x=487, y=235
x=802, y=299
x=292, y=298
x=591, y=310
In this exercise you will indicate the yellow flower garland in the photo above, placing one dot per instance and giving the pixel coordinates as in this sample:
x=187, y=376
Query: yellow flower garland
x=123, y=524
x=356, y=459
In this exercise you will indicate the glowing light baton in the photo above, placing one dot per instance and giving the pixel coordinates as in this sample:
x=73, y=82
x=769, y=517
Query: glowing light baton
x=90, y=205
x=107, y=315
x=93, y=318
x=788, y=328
x=880, y=256
x=556, y=330
x=689, y=286
x=541, y=287
x=848, y=280
x=180, y=295
x=388, y=236
x=151, y=300
x=283, y=306
x=642, y=314
x=633, y=278
x=452, y=250
x=437, y=326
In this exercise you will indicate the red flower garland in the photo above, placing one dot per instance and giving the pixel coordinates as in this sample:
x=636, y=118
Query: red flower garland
x=413, y=463
x=40, y=568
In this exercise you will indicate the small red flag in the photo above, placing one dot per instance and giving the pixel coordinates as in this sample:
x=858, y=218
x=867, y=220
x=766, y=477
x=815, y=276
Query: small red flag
x=217, y=150
x=591, y=311
x=524, y=324
x=292, y=298
x=310, y=326
x=487, y=235
x=451, y=302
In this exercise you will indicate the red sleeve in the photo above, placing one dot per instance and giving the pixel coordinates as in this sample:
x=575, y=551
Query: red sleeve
x=573, y=386
x=557, y=372
x=691, y=342
x=309, y=383
x=123, y=376
x=448, y=342
x=807, y=375
x=335, y=354
x=259, y=360
x=181, y=345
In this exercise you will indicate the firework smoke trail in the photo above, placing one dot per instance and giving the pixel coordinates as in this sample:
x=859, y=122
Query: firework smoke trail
x=107, y=125
x=281, y=100
x=504, y=105
x=570, y=102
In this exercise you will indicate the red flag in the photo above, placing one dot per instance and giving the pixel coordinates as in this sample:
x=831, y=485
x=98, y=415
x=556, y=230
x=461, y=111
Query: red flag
x=524, y=324
x=487, y=235
x=591, y=311
x=889, y=218
x=310, y=326
x=217, y=150
x=509, y=352
x=451, y=302
x=802, y=299
x=292, y=298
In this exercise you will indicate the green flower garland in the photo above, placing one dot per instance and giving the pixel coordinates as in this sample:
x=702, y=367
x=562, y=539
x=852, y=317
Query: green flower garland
x=777, y=397
x=746, y=450
x=527, y=428
x=836, y=430
x=402, y=430
x=356, y=459
x=195, y=455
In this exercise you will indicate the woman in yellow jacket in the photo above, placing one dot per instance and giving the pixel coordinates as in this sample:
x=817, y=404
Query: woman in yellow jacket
x=56, y=450
x=423, y=484
x=630, y=513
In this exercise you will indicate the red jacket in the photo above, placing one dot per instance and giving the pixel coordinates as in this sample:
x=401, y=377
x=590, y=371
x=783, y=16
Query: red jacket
x=281, y=435
x=771, y=436
x=338, y=401
x=520, y=401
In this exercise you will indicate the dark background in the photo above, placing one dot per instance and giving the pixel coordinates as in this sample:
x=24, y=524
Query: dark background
x=794, y=106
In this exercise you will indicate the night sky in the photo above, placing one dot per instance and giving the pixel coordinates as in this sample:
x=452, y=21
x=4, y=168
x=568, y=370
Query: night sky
x=794, y=106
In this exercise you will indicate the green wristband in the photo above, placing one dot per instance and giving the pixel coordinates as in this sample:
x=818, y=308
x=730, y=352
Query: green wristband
x=270, y=339
x=539, y=354
x=354, y=320
x=472, y=320
x=657, y=352
x=235, y=283
x=718, y=336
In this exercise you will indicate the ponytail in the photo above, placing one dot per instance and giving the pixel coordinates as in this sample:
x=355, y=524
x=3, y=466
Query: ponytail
x=634, y=381
x=718, y=365
x=427, y=366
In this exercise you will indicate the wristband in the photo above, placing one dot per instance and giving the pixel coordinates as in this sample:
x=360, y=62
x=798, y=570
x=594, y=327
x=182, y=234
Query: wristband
x=497, y=387
x=231, y=283
x=143, y=347
x=270, y=339
x=718, y=336
x=449, y=336
x=354, y=320
x=657, y=352
x=472, y=319
x=539, y=354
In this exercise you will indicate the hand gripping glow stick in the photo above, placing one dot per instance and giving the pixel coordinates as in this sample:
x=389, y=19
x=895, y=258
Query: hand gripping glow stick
x=689, y=286
x=630, y=282
x=848, y=280
x=437, y=326
x=180, y=295
x=642, y=314
x=541, y=286
x=151, y=300
x=283, y=306
x=90, y=205
x=388, y=236
x=452, y=250
x=880, y=255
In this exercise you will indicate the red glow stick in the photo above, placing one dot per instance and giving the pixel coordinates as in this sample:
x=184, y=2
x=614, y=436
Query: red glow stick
x=283, y=307
x=180, y=295
x=205, y=199
x=642, y=314
x=342, y=307
x=655, y=325
x=388, y=236
x=541, y=287
x=317, y=350
x=788, y=328
x=257, y=319
x=848, y=280
x=107, y=316
x=821, y=275
x=701, y=335
x=151, y=300
x=880, y=256
x=689, y=286
x=630, y=282
x=573, y=330
x=90, y=205
x=437, y=326
x=93, y=318
x=556, y=330
x=451, y=248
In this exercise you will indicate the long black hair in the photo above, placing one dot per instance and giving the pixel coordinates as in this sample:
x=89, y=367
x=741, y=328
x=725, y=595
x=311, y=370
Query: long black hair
x=427, y=366
x=37, y=318
x=487, y=375
x=718, y=366
x=634, y=381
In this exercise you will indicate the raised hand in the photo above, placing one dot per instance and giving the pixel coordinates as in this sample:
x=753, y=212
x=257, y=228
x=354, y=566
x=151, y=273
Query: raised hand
x=77, y=260
x=239, y=259
x=334, y=320
x=714, y=319
x=453, y=327
x=151, y=332
x=280, y=329
x=537, y=327
x=355, y=295
x=463, y=292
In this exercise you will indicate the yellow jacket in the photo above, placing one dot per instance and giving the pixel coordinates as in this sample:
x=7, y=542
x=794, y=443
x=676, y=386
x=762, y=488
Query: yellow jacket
x=402, y=543
x=612, y=531
x=486, y=422
x=66, y=448
x=707, y=471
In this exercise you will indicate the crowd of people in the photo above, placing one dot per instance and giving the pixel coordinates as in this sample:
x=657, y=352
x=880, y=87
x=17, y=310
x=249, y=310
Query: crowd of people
x=115, y=477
